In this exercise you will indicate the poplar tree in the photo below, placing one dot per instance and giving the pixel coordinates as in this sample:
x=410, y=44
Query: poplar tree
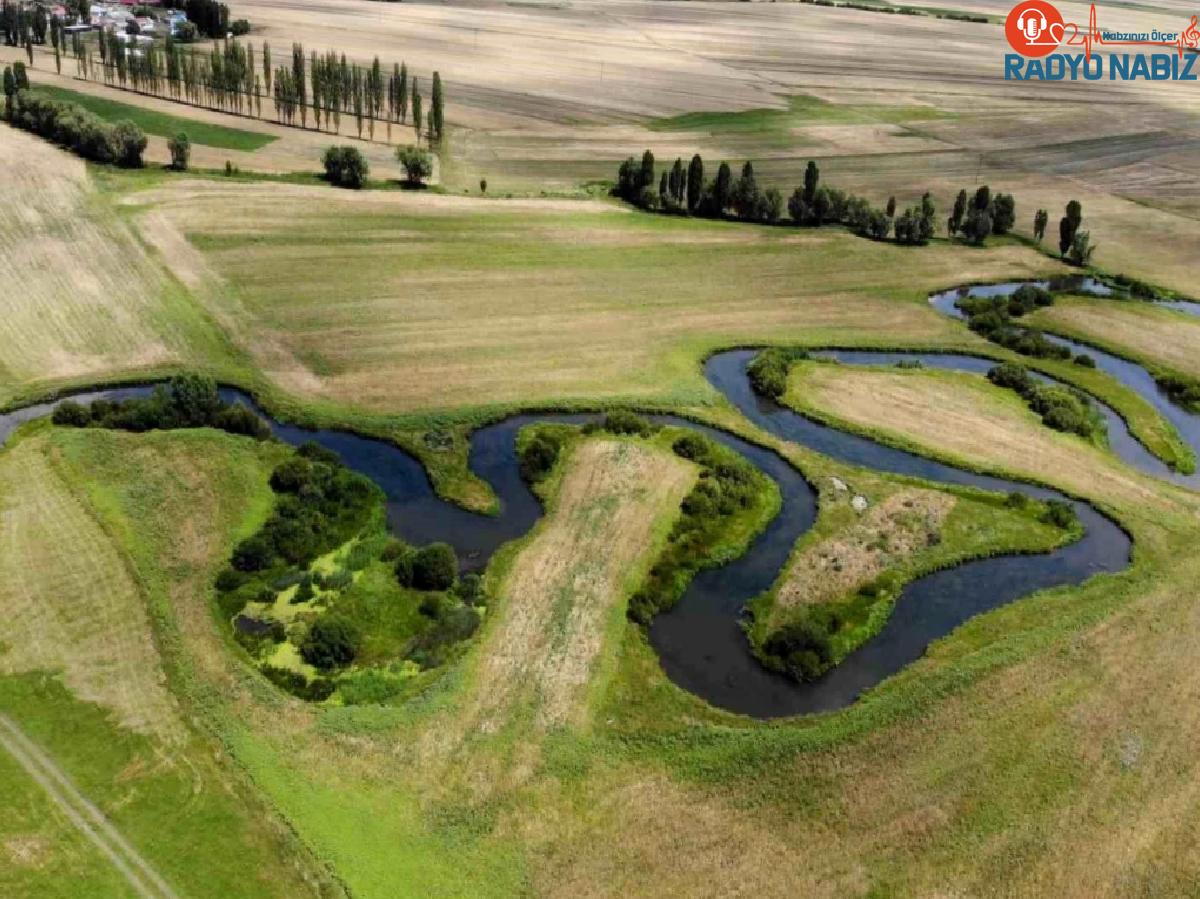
x=436, y=112
x=402, y=92
x=266, y=66
x=416, y=109
x=695, y=182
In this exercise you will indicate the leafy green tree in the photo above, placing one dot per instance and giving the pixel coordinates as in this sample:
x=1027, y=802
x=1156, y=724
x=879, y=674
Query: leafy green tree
x=1082, y=248
x=646, y=174
x=1004, y=213
x=1040, y=220
x=695, y=183
x=960, y=210
x=722, y=193
x=891, y=207
x=1068, y=226
x=418, y=163
x=10, y=91
x=772, y=206
x=812, y=179
x=416, y=109
x=978, y=226
x=983, y=198
x=20, y=75
x=437, y=109
x=746, y=194
x=435, y=567
x=181, y=152
x=128, y=144
x=677, y=183
x=333, y=641
x=345, y=167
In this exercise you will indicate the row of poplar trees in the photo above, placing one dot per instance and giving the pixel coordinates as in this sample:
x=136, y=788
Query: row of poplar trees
x=320, y=88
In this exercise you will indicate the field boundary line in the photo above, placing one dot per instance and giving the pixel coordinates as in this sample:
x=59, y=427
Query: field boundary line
x=83, y=814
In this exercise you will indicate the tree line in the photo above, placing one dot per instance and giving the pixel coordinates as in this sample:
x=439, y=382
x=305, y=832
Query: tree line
x=73, y=127
x=231, y=77
x=687, y=191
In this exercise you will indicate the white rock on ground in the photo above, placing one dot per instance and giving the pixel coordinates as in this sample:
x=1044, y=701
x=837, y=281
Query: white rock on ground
x=859, y=504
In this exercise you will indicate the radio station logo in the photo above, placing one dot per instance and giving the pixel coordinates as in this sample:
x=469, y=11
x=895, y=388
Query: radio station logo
x=1049, y=48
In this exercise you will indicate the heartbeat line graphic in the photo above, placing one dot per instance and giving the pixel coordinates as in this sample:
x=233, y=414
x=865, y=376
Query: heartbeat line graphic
x=1188, y=39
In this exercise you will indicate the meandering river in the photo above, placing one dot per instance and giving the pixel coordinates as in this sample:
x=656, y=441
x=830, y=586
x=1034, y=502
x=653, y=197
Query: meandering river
x=700, y=642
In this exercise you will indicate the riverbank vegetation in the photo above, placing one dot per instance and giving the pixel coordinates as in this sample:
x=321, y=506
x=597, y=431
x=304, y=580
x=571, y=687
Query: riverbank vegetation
x=324, y=601
x=873, y=537
x=731, y=502
x=1061, y=407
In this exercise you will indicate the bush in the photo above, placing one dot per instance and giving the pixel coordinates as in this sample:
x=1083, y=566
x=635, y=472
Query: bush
x=230, y=579
x=1013, y=376
x=1060, y=514
x=181, y=152
x=403, y=569
x=417, y=164
x=1084, y=360
x=691, y=446
x=239, y=27
x=71, y=414
x=434, y=567
x=622, y=421
x=769, y=370
x=253, y=554
x=345, y=167
x=802, y=649
x=470, y=588
x=79, y=130
x=538, y=456
x=332, y=642
x=128, y=144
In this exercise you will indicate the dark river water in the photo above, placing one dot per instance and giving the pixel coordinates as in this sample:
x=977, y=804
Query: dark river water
x=700, y=642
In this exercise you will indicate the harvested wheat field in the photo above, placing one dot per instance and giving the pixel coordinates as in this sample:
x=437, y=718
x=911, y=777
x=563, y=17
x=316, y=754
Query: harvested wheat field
x=498, y=303
x=83, y=297
x=1138, y=330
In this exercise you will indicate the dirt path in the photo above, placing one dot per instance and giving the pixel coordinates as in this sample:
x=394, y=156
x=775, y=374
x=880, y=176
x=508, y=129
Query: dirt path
x=82, y=813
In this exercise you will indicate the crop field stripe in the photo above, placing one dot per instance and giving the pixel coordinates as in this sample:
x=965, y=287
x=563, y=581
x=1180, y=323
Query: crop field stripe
x=83, y=814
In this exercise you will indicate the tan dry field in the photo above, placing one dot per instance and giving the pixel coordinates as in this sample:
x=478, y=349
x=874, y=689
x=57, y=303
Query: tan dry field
x=98, y=634
x=887, y=534
x=392, y=301
x=1139, y=329
x=82, y=297
x=964, y=417
x=550, y=95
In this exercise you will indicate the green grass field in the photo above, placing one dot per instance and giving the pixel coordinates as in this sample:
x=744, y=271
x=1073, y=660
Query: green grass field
x=162, y=124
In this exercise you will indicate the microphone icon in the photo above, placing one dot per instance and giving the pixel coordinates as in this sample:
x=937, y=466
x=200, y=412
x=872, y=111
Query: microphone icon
x=1032, y=23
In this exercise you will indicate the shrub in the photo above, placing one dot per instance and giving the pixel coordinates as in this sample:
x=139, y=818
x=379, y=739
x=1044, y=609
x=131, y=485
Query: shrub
x=79, y=130
x=239, y=27
x=345, y=167
x=470, y=588
x=538, y=456
x=332, y=642
x=417, y=164
x=403, y=569
x=1084, y=360
x=230, y=579
x=128, y=144
x=1060, y=514
x=802, y=648
x=71, y=414
x=253, y=554
x=768, y=370
x=181, y=152
x=1013, y=376
x=434, y=567
x=691, y=446
x=622, y=421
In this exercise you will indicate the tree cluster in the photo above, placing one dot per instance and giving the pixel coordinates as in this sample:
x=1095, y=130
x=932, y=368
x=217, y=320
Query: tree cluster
x=79, y=130
x=187, y=401
x=685, y=191
x=768, y=371
x=982, y=215
x=345, y=167
x=320, y=504
x=1061, y=408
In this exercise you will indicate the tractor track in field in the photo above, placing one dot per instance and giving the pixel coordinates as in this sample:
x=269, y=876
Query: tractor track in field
x=83, y=814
